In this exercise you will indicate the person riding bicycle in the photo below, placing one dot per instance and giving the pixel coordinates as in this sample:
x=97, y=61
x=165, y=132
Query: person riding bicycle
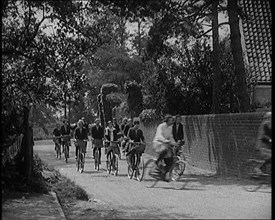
x=86, y=125
x=116, y=126
x=135, y=134
x=56, y=135
x=125, y=134
x=123, y=125
x=178, y=133
x=80, y=133
x=111, y=135
x=97, y=134
x=264, y=141
x=162, y=143
x=65, y=130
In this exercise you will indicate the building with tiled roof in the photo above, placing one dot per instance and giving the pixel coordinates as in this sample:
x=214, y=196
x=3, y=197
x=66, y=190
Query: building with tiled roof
x=257, y=46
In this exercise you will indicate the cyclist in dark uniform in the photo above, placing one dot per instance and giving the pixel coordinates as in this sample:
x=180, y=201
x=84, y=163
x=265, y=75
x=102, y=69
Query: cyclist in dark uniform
x=264, y=141
x=135, y=134
x=57, y=133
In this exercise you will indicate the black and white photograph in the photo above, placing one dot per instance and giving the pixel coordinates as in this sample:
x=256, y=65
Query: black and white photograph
x=128, y=109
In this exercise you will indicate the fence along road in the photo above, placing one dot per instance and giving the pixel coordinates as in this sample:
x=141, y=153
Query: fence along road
x=204, y=197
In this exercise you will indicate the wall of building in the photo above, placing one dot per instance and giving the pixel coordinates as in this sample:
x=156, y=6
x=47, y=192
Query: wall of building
x=262, y=94
x=219, y=143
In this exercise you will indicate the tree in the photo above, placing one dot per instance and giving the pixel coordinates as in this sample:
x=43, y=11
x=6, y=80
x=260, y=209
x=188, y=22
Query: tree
x=38, y=66
x=134, y=98
x=106, y=104
x=240, y=71
x=216, y=58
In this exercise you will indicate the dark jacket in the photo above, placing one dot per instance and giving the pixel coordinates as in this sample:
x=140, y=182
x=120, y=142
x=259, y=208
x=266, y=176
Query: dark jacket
x=178, y=135
x=117, y=128
x=97, y=133
x=136, y=135
x=65, y=132
x=56, y=132
x=80, y=135
x=126, y=129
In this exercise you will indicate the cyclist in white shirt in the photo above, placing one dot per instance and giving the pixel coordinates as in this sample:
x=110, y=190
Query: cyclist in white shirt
x=163, y=141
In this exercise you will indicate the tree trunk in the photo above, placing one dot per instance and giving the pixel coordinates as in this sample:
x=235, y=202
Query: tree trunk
x=139, y=38
x=237, y=52
x=215, y=59
x=27, y=144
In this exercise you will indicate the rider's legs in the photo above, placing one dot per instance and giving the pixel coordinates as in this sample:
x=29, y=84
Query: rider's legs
x=76, y=151
x=164, y=155
x=62, y=144
x=94, y=152
x=99, y=152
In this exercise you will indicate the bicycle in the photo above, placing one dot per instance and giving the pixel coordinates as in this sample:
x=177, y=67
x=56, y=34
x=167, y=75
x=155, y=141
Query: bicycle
x=97, y=144
x=80, y=160
x=66, y=140
x=253, y=181
x=112, y=156
x=174, y=174
x=136, y=167
x=57, y=148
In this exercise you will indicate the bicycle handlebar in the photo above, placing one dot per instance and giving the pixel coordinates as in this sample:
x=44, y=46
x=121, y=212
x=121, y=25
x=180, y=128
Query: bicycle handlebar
x=85, y=140
x=116, y=142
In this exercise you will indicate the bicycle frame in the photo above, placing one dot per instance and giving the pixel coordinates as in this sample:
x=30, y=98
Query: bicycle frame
x=81, y=155
x=66, y=141
x=57, y=142
x=136, y=165
x=254, y=181
x=176, y=171
x=112, y=157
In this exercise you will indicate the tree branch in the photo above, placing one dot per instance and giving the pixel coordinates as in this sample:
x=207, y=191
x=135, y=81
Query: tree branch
x=206, y=32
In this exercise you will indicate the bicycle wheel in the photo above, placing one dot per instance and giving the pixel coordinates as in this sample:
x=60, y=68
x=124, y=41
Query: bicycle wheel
x=58, y=151
x=176, y=173
x=66, y=153
x=130, y=168
x=82, y=161
x=115, y=164
x=149, y=168
x=97, y=159
x=251, y=181
x=140, y=169
x=109, y=162
x=78, y=161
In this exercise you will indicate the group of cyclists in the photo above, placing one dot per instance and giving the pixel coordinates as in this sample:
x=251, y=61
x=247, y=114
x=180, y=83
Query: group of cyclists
x=169, y=133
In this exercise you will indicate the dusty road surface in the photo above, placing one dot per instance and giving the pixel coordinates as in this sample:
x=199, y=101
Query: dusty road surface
x=205, y=197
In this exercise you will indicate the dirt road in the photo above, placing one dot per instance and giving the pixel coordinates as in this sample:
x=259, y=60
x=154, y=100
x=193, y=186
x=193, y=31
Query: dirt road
x=205, y=197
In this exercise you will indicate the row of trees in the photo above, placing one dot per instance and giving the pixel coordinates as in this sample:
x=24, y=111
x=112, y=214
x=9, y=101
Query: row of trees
x=60, y=53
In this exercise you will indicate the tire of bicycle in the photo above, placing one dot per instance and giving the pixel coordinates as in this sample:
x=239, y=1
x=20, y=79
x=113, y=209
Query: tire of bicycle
x=109, y=163
x=115, y=164
x=82, y=161
x=78, y=161
x=176, y=173
x=66, y=153
x=130, y=168
x=149, y=167
x=97, y=159
x=140, y=169
x=58, y=151
x=250, y=184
